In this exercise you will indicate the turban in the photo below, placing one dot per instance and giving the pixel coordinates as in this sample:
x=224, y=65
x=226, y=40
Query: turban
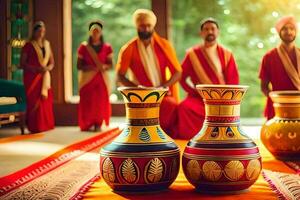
x=144, y=14
x=285, y=20
x=206, y=20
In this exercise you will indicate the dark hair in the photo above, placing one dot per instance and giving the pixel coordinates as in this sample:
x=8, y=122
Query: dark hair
x=98, y=22
x=208, y=20
x=37, y=25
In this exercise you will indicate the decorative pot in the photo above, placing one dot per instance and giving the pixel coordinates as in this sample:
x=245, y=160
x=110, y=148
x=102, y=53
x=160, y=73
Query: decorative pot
x=221, y=157
x=281, y=135
x=143, y=157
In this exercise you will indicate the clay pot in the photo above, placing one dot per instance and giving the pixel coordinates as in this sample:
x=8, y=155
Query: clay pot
x=281, y=134
x=221, y=157
x=143, y=157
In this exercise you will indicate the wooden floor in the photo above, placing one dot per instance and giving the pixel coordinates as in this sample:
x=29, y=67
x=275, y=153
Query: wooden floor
x=27, y=149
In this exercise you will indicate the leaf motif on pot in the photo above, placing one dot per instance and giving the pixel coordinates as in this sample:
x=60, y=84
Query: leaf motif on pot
x=193, y=170
x=129, y=171
x=125, y=133
x=144, y=135
x=160, y=134
x=154, y=170
x=108, y=171
x=215, y=133
x=234, y=170
x=211, y=170
x=229, y=132
x=253, y=170
x=238, y=95
x=227, y=95
x=214, y=94
x=206, y=94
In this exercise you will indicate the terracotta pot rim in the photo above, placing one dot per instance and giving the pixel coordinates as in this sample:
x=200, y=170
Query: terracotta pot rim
x=282, y=93
x=285, y=97
x=127, y=88
x=202, y=86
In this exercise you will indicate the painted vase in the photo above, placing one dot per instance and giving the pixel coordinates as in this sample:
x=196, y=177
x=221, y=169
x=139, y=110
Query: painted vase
x=281, y=134
x=143, y=157
x=221, y=157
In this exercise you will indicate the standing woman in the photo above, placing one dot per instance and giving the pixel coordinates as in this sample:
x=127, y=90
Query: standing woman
x=37, y=61
x=94, y=59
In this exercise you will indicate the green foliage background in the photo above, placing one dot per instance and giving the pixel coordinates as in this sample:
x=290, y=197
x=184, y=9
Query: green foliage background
x=246, y=29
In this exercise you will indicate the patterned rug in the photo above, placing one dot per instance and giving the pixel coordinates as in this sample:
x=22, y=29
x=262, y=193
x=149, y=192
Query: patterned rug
x=59, y=176
x=287, y=186
x=294, y=165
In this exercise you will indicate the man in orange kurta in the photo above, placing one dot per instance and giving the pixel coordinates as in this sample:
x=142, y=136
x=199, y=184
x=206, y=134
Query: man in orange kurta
x=207, y=63
x=151, y=62
x=280, y=67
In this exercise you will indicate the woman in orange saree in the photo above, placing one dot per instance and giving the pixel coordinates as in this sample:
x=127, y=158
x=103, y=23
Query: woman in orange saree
x=94, y=59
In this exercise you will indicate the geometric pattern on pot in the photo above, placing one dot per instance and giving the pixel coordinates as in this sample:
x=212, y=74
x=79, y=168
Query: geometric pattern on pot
x=140, y=134
x=220, y=133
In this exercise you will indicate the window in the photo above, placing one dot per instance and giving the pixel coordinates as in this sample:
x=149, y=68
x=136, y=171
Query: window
x=118, y=29
x=246, y=28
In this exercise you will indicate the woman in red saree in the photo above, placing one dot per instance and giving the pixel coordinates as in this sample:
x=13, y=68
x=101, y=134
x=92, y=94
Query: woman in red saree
x=37, y=62
x=94, y=59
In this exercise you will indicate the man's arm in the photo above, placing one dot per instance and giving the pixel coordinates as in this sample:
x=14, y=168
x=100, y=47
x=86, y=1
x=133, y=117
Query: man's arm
x=122, y=80
x=185, y=76
x=264, y=75
x=174, y=78
x=109, y=62
x=264, y=85
x=123, y=62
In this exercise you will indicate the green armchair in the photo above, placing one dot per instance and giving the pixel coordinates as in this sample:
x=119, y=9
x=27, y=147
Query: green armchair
x=11, y=111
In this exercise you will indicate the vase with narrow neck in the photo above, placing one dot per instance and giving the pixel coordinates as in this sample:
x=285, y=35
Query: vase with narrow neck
x=281, y=134
x=143, y=157
x=221, y=157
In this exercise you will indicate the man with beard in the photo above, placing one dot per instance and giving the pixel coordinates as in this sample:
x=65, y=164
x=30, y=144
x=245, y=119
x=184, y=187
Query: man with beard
x=151, y=62
x=207, y=63
x=280, y=67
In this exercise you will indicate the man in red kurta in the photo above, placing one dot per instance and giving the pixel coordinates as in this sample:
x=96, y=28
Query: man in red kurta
x=280, y=67
x=151, y=62
x=37, y=62
x=208, y=63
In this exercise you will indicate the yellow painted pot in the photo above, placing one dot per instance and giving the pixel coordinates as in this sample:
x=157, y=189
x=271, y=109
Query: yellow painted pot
x=221, y=157
x=143, y=157
x=281, y=135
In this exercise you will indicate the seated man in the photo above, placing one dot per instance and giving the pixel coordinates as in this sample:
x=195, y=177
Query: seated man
x=151, y=59
x=208, y=63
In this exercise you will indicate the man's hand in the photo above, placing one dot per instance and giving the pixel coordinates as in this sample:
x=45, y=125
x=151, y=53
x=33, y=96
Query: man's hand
x=264, y=85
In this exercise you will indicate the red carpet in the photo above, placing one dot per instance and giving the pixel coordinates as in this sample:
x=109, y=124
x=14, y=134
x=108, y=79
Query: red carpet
x=182, y=189
x=17, y=179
